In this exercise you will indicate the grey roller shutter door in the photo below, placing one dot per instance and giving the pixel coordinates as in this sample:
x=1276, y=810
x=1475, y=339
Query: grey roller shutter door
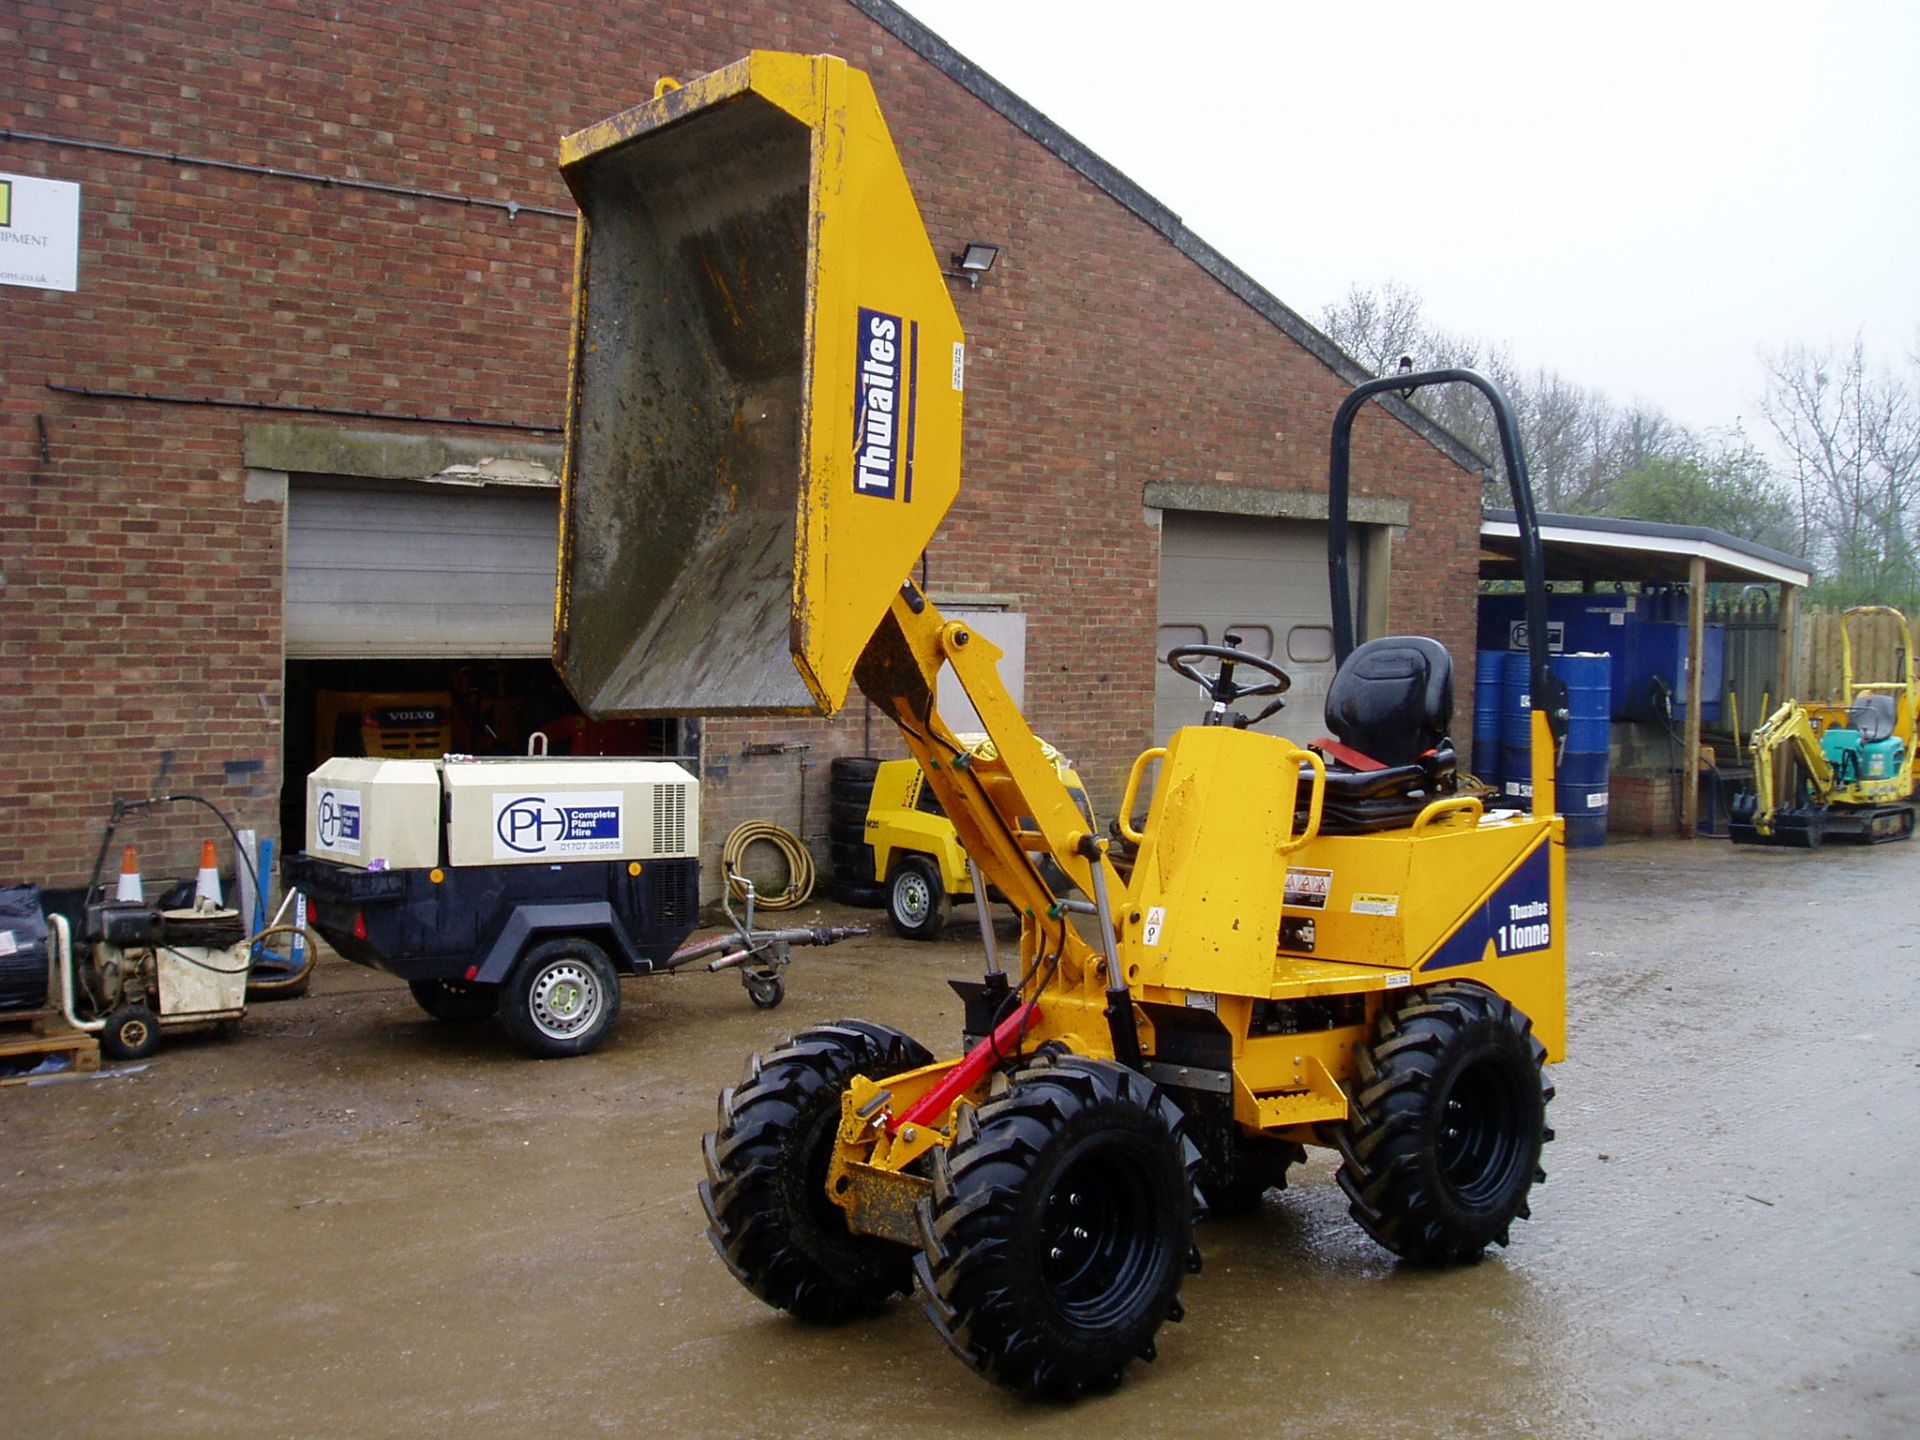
x=1266, y=579
x=377, y=569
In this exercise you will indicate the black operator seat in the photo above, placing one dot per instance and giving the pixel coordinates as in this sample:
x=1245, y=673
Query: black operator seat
x=1389, y=707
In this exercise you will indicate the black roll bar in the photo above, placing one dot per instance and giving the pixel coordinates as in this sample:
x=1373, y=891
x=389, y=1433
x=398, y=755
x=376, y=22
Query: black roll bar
x=1547, y=690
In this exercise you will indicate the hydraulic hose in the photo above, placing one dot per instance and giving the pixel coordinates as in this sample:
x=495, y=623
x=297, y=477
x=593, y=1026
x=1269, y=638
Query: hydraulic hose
x=799, y=862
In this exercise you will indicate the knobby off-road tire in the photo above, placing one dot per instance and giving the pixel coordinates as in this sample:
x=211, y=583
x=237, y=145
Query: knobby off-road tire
x=1060, y=1227
x=768, y=1212
x=1449, y=1116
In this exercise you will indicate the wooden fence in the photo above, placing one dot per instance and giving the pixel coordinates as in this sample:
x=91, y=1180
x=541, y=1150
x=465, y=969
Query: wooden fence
x=1752, y=675
x=1879, y=653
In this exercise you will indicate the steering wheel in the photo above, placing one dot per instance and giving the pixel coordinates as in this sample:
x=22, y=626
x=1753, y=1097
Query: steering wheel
x=1223, y=689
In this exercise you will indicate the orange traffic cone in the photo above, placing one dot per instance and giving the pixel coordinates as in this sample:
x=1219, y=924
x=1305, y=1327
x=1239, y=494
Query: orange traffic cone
x=206, y=884
x=130, y=886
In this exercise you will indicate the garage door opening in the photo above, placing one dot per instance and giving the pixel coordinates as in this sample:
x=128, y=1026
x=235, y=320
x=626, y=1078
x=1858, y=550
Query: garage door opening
x=1264, y=580
x=426, y=707
x=419, y=618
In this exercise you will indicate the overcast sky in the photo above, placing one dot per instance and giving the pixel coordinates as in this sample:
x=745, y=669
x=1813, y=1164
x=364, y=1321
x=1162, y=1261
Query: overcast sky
x=1639, y=196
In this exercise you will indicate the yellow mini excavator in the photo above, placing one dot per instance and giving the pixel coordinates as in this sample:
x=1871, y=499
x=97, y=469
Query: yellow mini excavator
x=1331, y=946
x=1843, y=769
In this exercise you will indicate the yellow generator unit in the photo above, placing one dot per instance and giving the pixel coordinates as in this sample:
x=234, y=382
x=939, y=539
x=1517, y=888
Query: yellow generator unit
x=1326, y=946
x=909, y=857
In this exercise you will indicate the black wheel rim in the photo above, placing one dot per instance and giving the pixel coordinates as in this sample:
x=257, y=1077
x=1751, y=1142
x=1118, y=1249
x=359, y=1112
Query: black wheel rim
x=815, y=1149
x=1482, y=1140
x=1097, y=1236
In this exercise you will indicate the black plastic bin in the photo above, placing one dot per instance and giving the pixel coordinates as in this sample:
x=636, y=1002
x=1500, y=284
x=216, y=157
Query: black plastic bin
x=23, y=949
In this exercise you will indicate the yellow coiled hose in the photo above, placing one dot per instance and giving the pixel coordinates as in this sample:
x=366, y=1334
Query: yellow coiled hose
x=799, y=863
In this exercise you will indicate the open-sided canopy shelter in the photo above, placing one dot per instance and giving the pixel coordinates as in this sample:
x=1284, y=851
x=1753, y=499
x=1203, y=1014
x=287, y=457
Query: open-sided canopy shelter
x=1594, y=549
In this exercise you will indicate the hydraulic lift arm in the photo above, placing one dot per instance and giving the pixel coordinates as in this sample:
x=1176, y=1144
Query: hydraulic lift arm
x=1787, y=732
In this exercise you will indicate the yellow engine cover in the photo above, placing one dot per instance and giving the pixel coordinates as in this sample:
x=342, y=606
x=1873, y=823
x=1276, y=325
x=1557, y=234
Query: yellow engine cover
x=1227, y=901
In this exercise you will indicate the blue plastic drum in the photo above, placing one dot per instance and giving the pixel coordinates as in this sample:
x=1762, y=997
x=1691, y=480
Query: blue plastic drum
x=1489, y=681
x=1580, y=780
x=1516, y=730
x=1582, y=774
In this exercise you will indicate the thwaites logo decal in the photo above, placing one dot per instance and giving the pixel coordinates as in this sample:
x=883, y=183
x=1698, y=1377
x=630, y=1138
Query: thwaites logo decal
x=576, y=822
x=336, y=821
x=886, y=363
x=1517, y=918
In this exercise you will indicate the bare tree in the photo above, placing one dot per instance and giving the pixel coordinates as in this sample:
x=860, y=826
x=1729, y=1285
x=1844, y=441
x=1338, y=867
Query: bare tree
x=1850, y=433
x=1577, y=443
x=1377, y=327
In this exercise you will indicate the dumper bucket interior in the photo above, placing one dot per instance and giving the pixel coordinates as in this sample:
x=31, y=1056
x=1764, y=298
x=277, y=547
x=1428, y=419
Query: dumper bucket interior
x=763, y=427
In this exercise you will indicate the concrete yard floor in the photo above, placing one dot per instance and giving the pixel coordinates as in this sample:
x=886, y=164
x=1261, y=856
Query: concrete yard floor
x=353, y=1221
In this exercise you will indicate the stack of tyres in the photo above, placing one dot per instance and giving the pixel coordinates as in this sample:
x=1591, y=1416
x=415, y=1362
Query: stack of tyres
x=1489, y=684
x=850, y=791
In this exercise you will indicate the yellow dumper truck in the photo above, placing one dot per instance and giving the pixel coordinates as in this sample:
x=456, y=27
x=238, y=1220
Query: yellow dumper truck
x=1326, y=946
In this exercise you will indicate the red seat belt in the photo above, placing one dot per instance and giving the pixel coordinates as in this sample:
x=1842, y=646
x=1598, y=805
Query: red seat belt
x=1346, y=754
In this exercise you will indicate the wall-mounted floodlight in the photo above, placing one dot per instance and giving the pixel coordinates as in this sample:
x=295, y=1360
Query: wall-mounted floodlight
x=974, y=261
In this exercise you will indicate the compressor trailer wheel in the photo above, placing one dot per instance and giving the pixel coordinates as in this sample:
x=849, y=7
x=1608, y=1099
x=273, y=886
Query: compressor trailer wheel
x=1449, y=1117
x=1060, y=1227
x=456, y=1002
x=561, y=998
x=917, y=899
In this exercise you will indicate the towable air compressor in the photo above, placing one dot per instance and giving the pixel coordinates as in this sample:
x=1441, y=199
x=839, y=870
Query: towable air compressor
x=522, y=888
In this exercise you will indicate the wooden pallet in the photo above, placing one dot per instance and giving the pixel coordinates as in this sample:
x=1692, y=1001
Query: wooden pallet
x=39, y=1033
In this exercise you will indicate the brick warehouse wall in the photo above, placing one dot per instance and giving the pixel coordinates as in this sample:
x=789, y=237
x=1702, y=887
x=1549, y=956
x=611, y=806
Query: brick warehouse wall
x=141, y=602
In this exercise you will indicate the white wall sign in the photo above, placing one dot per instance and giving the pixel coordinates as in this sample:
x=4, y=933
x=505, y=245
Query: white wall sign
x=39, y=233
x=1006, y=629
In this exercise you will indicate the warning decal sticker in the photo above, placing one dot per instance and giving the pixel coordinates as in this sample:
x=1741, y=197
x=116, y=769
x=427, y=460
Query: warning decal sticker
x=1307, y=889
